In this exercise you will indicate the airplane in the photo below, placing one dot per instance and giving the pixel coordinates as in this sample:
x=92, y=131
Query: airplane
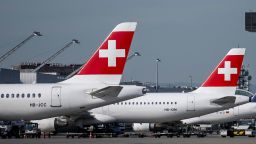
x=95, y=85
x=245, y=111
x=216, y=93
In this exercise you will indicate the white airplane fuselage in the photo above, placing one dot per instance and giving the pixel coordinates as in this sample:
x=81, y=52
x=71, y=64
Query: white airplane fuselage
x=162, y=107
x=48, y=100
x=233, y=114
x=216, y=93
x=94, y=85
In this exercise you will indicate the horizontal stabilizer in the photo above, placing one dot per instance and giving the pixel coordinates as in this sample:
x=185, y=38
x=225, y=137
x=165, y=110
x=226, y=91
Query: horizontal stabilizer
x=112, y=91
x=225, y=100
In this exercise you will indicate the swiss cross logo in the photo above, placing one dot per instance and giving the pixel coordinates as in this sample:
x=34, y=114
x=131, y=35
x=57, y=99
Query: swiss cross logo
x=110, y=57
x=111, y=53
x=227, y=71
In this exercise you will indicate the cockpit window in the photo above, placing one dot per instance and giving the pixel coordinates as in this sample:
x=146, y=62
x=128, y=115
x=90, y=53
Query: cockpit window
x=243, y=93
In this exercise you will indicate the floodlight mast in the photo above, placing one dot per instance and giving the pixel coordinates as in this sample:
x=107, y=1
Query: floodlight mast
x=74, y=41
x=7, y=54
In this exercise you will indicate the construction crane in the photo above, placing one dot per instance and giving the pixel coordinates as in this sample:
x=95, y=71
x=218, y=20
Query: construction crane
x=55, y=54
x=4, y=56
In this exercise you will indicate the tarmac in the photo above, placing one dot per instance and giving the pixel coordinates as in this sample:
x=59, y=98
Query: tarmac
x=146, y=140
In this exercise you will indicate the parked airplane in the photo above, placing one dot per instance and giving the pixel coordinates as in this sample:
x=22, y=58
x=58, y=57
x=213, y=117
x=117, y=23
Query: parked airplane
x=233, y=114
x=216, y=93
x=95, y=85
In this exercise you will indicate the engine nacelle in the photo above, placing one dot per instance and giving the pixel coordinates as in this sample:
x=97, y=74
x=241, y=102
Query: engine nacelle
x=50, y=124
x=131, y=91
x=143, y=127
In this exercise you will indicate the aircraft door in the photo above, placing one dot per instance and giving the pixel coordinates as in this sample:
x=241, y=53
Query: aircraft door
x=190, y=102
x=56, y=96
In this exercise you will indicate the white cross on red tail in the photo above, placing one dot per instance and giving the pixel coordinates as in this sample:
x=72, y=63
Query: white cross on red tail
x=112, y=53
x=227, y=71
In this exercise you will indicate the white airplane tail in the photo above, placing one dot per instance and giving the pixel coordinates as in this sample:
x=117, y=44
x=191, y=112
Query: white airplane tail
x=224, y=77
x=107, y=63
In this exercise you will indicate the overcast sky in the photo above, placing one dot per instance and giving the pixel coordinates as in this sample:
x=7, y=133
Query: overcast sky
x=190, y=37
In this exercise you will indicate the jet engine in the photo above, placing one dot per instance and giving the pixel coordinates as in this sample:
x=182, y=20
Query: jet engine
x=155, y=127
x=142, y=127
x=50, y=124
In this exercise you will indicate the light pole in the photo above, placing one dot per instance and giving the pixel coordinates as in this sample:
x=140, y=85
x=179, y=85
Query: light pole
x=133, y=55
x=157, y=61
x=191, y=81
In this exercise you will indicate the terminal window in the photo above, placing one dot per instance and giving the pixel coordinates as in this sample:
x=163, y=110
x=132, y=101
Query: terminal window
x=250, y=21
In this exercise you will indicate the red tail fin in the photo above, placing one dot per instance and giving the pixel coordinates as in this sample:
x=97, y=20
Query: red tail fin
x=226, y=74
x=107, y=63
x=111, y=56
x=228, y=70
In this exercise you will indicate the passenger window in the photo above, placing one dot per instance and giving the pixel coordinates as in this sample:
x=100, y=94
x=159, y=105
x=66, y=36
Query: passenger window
x=171, y=102
x=156, y=103
x=28, y=95
x=33, y=95
x=175, y=102
x=17, y=95
x=163, y=102
x=148, y=103
x=159, y=102
x=12, y=95
x=121, y=103
x=129, y=103
x=167, y=103
x=136, y=103
x=22, y=95
x=7, y=95
x=39, y=95
x=140, y=103
x=2, y=95
x=132, y=103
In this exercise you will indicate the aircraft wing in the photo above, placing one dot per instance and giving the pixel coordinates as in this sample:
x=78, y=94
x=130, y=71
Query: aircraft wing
x=225, y=100
x=112, y=91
